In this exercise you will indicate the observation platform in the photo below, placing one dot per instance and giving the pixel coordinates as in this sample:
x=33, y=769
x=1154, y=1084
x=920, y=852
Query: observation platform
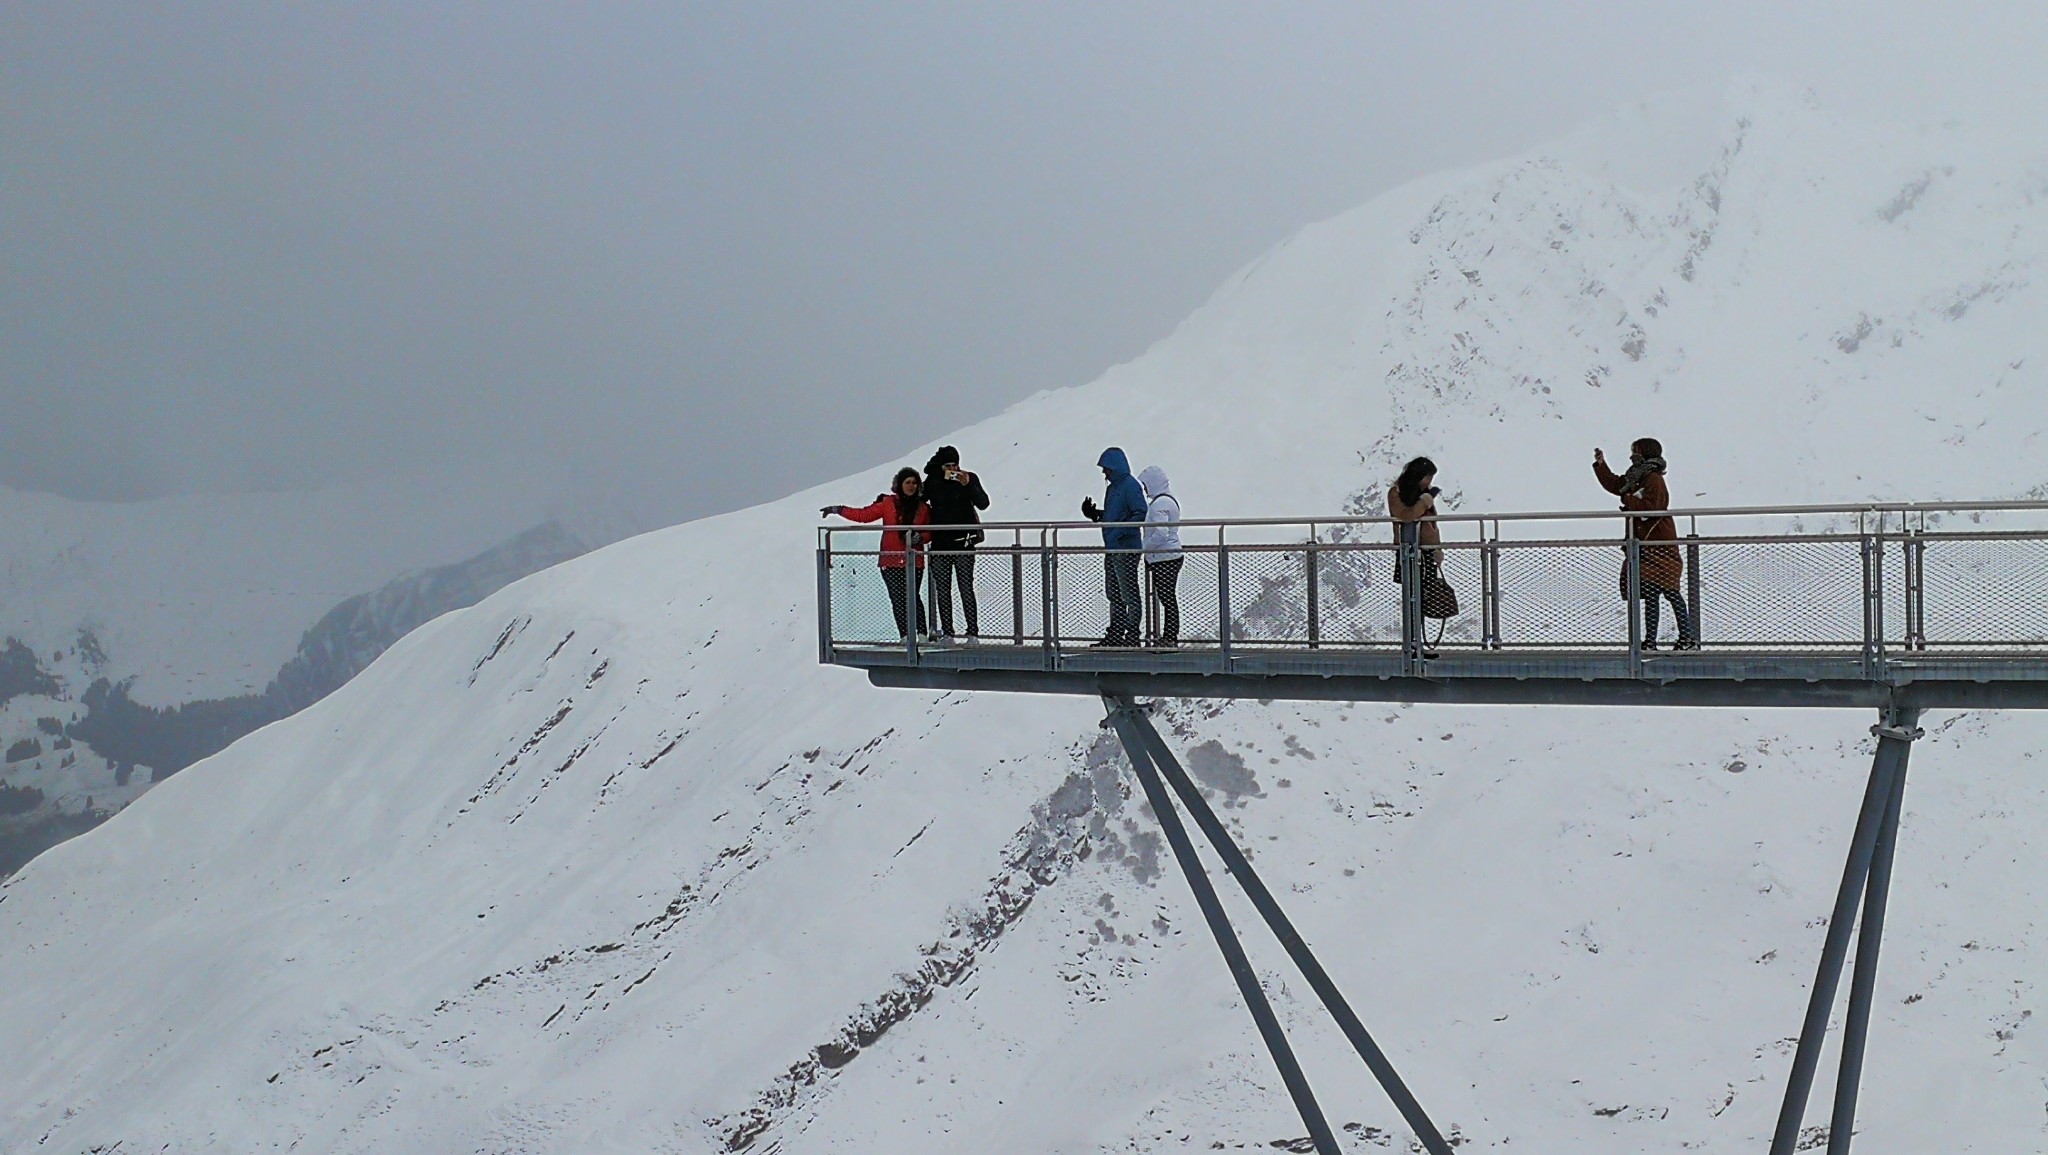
x=1919, y=606
x=1900, y=608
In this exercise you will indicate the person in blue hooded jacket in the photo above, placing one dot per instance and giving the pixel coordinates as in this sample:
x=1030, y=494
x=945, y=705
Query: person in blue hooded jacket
x=1122, y=512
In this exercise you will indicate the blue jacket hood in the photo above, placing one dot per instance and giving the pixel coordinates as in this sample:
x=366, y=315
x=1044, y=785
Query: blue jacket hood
x=1123, y=500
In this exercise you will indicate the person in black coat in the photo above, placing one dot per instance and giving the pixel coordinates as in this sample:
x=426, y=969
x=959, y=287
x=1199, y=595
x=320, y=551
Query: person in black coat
x=956, y=499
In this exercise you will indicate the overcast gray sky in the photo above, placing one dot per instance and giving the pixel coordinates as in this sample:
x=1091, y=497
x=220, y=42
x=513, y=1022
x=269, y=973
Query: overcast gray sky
x=699, y=255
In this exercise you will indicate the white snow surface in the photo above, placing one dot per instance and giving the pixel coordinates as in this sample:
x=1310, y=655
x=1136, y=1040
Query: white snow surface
x=602, y=863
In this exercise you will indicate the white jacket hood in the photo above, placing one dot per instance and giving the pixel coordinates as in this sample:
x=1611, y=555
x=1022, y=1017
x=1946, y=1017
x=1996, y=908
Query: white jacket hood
x=1162, y=518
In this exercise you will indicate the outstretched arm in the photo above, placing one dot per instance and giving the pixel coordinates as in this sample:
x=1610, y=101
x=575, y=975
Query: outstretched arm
x=1609, y=480
x=872, y=512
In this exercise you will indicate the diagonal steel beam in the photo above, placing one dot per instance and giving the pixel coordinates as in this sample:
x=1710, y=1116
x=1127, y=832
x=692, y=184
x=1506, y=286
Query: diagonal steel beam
x=1889, y=764
x=1121, y=717
x=1283, y=929
x=1863, y=982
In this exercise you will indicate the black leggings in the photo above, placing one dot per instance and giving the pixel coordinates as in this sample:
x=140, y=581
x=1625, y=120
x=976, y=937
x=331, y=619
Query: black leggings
x=893, y=578
x=945, y=567
x=1166, y=591
x=1651, y=595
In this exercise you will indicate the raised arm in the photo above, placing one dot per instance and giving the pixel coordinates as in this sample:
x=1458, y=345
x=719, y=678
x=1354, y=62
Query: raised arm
x=1609, y=480
x=876, y=511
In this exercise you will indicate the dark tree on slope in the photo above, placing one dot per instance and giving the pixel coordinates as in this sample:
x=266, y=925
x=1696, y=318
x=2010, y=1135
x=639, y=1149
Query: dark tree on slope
x=21, y=673
x=18, y=799
x=165, y=739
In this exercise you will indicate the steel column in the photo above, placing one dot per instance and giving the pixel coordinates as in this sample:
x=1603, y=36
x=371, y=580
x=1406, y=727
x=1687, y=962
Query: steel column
x=1315, y=599
x=1863, y=982
x=1894, y=740
x=912, y=575
x=1916, y=590
x=1693, y=583
x=1120, y=717
x=1489, y=588
x=1632, y=589
x=1048, y=596
x=1408, y=564
x=1017, y=591
x=825, y=601
x=1222, y=601
x=1283, y=929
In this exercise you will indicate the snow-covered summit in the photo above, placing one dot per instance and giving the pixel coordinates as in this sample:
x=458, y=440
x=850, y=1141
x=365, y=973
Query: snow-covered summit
x=608, y=863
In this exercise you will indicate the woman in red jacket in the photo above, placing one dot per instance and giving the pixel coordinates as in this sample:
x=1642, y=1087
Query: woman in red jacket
x=902, y=506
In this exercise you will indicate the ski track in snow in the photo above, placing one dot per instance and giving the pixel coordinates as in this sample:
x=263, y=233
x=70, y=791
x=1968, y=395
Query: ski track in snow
x=608, y=863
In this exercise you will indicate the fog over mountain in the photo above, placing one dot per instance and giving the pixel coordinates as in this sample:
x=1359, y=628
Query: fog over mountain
x=609, y=863
x=689, y=258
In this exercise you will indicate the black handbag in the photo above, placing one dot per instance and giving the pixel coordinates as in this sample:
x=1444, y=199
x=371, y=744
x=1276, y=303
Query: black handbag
x=1439, y=600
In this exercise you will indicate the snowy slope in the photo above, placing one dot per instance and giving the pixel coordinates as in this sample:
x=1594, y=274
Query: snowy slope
x=205, y=596
x=607, y=863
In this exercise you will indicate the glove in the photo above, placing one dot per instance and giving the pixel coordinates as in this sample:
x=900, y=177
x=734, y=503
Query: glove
x=832, y=510
x=1089, y=511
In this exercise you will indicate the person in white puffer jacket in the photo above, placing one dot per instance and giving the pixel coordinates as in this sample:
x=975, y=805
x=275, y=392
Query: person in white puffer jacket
x=1162, y=554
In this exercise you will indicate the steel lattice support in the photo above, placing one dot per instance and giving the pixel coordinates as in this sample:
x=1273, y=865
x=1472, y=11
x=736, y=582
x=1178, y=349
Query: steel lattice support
x=1866, y=885
x=1151, y=758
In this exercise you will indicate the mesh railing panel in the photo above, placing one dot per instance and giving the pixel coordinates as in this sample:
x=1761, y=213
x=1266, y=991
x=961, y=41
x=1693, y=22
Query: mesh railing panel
x=1358, y=596
x=1984, y=593
x=1197, y=593
x=1562, y=594
x=1459, y=565
x=995, y=575
x=1083, y=600
x=1269, y=596
x=1897, y=604
x=1787, y=593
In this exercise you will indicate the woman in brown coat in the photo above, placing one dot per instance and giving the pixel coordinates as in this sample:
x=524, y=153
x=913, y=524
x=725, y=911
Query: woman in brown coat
x=1642, y=488
x=1411, y=500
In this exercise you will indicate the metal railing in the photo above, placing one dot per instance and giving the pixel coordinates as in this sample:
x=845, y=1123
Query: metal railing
x=1876, y=582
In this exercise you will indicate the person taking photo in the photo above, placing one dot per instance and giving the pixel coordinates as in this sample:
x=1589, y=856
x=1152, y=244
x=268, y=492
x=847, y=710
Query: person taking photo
x=956, y=499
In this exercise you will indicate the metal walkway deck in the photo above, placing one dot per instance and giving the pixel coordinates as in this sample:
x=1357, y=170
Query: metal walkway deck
x=1893, y=608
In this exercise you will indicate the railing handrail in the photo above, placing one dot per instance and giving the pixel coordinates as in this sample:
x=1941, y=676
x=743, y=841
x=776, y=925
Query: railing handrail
x=1784, y=588
x=1864, y=508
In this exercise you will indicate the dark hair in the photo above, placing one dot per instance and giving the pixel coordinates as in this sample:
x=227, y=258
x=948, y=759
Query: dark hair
x=1648, y=447
x=896, y=486
x=1409, y=484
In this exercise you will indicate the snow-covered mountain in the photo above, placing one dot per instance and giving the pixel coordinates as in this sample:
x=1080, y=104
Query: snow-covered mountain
x=608, y=863
x=139, y=637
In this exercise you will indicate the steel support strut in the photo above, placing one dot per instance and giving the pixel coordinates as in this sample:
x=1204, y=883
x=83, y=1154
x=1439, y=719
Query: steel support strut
x=1120, y=716
x=1283, y=929
x=1866, y=882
